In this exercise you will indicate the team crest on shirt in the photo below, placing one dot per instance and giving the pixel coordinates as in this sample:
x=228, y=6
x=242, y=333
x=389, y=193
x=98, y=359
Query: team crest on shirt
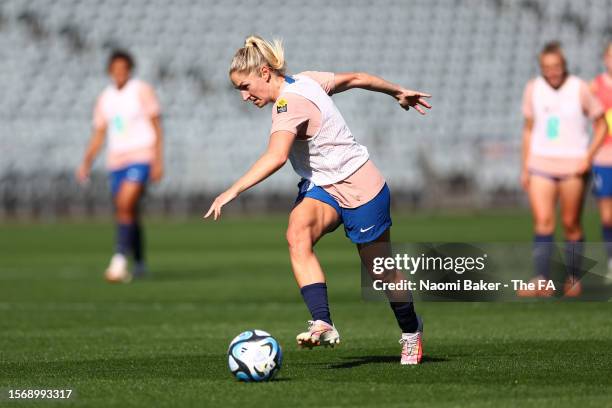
x=281, y=106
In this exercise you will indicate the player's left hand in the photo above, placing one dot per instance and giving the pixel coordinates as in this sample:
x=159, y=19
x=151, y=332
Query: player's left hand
x=157, y=171
x=219, y=202
x=415, y=99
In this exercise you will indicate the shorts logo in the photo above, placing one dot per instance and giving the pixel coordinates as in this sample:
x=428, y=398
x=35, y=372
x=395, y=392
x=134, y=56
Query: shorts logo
x=597, y=182
x=281, y=106
x=133, y=174
x=366, y=229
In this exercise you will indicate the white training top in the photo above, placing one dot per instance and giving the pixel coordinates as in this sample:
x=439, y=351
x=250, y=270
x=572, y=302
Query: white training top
x=332, y=154
x=127, y=113
x=560, y=123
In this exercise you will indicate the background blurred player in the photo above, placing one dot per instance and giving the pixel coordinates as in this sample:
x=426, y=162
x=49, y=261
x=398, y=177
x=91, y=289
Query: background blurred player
x=602, y=164
x=129, y=112
x=339, y=182
x=556, y=160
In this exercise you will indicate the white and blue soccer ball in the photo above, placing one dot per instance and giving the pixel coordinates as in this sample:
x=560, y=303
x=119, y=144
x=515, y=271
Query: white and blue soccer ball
x=254, y=355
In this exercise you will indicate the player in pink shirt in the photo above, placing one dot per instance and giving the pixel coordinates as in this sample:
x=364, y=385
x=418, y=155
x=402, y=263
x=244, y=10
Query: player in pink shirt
x=128, y=112
x=557, y=158
x=602, y=164
x=340, y=184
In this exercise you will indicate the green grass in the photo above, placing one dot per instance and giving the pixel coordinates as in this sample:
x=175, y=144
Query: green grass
x=162, y=342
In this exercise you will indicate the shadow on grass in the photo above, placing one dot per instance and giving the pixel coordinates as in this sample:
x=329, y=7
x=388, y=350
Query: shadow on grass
x=363, y=360
x=272, y=381
x=494, y=362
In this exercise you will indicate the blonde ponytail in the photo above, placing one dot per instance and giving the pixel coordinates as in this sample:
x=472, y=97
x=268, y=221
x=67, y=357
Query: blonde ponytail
x=258, y=52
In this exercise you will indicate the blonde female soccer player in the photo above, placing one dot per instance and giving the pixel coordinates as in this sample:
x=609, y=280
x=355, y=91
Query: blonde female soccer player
x=557, y=158
x=128, y=111
x=602, y=164
x=340, y=184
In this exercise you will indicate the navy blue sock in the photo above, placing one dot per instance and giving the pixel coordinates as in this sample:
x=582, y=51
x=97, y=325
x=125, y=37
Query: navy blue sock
x=607, y=236
x=573, y=257
x=405, y=316
x=138, y=243
x=315, y=296
x=125, y=238
x=542, y=251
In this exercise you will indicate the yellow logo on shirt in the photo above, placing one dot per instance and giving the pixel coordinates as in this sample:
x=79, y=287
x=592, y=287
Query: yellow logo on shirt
x=281, y=106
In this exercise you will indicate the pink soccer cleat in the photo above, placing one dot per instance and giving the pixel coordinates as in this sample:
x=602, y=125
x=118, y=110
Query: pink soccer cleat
x=541, y=287
x=412, y=346
x=572, y=287
x=319, y=333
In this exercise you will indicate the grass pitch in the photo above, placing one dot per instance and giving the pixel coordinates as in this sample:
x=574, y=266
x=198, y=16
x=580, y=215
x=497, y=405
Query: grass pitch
x=162, y=341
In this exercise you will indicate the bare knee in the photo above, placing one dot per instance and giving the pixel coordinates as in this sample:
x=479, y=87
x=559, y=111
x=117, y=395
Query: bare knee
x=607, y=220
x=124, y=212
x=571, y=227
x=299, y=239
x=544, y=225
x=387, y=276
x=606, y=217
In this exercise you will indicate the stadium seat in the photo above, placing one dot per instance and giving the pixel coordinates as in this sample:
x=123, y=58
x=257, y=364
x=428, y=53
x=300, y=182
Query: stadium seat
x=465, y=52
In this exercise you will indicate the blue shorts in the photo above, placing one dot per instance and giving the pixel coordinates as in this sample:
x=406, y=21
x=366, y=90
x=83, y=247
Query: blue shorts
x=362, y=224
x=602, y=181
x=138, y=173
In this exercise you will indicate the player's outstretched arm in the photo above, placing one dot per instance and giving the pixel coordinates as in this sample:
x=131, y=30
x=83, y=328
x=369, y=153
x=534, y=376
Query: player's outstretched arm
x=407, y=98
x=273, y=159
x=95, y=144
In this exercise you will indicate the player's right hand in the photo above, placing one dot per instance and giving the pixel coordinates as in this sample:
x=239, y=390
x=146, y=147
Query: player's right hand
x=82, y=173
x=525, y=179
x=219, y=202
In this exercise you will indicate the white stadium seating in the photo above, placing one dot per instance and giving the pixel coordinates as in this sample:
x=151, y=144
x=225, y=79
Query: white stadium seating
x=474, y=56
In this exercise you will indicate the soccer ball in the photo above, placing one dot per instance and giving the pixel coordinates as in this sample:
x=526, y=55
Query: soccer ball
x=254, y=355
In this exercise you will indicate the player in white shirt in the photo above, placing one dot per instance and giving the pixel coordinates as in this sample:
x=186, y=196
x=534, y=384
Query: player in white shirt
x=340, y=185
x=129, y=113
x=557, y=158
